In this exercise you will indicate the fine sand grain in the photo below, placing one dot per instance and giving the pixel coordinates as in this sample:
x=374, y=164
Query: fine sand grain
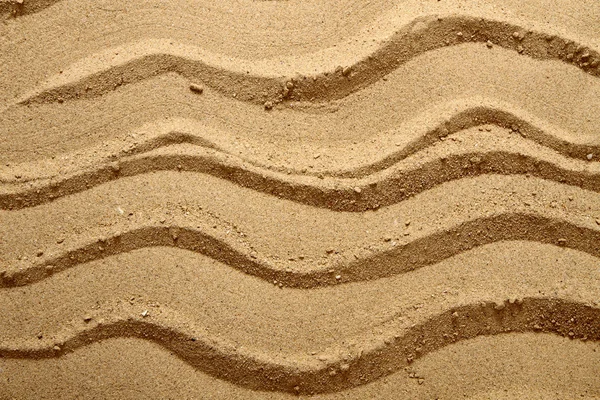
x=271, y=199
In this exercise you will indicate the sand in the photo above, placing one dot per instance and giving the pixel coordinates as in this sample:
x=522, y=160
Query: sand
x=281, y=198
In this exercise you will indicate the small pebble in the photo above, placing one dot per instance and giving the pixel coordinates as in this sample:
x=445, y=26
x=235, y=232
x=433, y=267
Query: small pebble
x=145, y=313
x=518, y=35
x=346, y=71
x=590, y=156
x=268, y=105
x=562, y=241
x=196, y=88
x=489, y=44
x=357, y=189
x=87, y=318
x=56, y=348
x=338, y=277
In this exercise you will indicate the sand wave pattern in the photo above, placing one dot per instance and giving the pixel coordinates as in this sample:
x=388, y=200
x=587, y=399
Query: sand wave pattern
x=259, y=261
x=372, y=357
x=279, y=80
x=427, y=249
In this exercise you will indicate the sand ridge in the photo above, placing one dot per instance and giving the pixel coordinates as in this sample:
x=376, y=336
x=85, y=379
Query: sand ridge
x=396, y=238
x=367, y=39
x=288, y=198
x=315, y=376
x=509, y=366
x=466, y=154
x=137, y=61
x=437, y=123
x=373, y=113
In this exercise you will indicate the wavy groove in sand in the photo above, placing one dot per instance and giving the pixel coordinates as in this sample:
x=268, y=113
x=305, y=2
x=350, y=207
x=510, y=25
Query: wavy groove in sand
x=428, y=249
x=412, y=173
x=270, y=80
x=417, y=133
x=371, y=357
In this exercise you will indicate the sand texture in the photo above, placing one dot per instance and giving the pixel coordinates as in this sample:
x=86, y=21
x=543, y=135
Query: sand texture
x=272, y=199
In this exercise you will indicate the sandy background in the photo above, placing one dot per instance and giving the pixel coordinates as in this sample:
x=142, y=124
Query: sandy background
x=269, y=199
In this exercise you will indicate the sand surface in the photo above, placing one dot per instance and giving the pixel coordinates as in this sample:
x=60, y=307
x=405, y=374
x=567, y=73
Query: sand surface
x=271, y=199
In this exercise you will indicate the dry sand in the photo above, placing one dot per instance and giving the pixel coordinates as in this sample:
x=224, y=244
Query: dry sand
x=341, y=199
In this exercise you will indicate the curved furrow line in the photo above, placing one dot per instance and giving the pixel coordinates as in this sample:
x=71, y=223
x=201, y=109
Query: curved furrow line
x=574, y=375
x=425, y=249
x=470, y=154
x=276, y=80
x=475, y=112
x=417, y=134
x=359, y=361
